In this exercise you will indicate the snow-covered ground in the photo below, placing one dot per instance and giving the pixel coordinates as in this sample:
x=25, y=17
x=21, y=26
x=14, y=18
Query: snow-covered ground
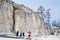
x=47, y=37
x=8, y=39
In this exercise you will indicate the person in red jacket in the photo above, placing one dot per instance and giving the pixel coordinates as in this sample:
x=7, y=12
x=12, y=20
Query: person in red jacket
x=29, y=33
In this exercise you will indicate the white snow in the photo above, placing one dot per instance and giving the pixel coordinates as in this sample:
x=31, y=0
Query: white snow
x=47, y=37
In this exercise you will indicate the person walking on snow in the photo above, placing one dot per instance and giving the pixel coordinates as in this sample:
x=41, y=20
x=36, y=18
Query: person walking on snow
x=29, y=34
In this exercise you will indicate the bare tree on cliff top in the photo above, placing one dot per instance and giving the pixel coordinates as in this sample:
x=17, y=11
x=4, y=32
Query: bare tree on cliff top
x=41, y=10
x=48, y=16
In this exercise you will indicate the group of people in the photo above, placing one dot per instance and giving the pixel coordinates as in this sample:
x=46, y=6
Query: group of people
x=22, y=34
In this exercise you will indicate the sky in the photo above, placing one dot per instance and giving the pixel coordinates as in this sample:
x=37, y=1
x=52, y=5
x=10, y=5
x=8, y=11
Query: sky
x=54, y=5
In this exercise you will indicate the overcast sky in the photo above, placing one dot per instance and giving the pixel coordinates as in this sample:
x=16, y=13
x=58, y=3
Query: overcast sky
x=34, y=4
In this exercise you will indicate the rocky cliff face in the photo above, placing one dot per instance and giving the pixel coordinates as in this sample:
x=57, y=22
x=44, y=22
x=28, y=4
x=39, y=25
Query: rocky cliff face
x=15, y=17
x=6, y=16
x=26, y=20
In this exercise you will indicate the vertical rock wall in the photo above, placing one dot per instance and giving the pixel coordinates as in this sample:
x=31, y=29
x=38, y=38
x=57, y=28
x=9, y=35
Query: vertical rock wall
x=19, y=18
x=6, y=17
x=25, y=22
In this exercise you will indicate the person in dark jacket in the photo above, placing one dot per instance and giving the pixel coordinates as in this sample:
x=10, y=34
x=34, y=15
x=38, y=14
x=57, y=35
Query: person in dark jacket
x=17, y=33
x=22, y=34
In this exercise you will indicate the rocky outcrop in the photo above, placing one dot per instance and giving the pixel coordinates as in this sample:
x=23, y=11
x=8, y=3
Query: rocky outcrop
x=6, y=16
x=26, y=20
x=15, y=17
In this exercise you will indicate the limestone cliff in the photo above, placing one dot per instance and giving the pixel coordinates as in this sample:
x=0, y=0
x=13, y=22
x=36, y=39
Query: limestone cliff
x=26, y=20
x=15, y=17
x=6, y=16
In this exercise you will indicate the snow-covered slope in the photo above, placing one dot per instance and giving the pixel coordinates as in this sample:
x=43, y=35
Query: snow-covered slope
x=9, y=39
x=47, y=37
